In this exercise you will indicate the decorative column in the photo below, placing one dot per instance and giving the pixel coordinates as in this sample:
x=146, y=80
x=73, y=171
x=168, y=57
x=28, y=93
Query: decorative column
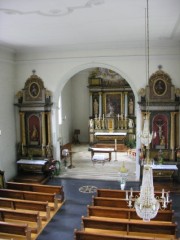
x=122, y=104
x=172, y=139
x=49, y=127
x=100, y=104
x=90, y=104
x=43, y=135
x=23, y=135
x=125, y=105
x=22, y=126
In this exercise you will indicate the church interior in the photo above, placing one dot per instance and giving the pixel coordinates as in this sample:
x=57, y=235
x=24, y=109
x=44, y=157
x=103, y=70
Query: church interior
x=89, y=119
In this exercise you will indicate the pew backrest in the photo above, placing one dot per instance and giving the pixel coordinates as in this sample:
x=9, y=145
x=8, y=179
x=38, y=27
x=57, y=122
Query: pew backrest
x=126, y=213
x=58, y=190
x=28, y=195
x=15, y=229
x=114, y=193
x=117, y=202
x=83, y=235
x=27, y=205
x=134, y=227
x=7, y=214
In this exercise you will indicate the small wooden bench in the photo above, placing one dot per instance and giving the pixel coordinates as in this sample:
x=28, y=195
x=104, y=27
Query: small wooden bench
x=13, y=230
x=133, y=227
x=33, y=196
x=27, y=205
x=32, y=219
x=83, y=235
x=58, y=190
x=116, y=202
x=126, y=213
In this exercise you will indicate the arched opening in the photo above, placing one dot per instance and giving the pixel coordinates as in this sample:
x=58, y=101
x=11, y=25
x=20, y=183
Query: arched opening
x=76, y=109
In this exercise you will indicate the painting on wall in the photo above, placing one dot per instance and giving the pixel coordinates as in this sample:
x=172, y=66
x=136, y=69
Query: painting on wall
x=34, y=129
x=112, y=104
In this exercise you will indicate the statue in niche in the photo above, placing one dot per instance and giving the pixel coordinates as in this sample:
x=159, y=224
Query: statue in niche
x=160, y=125
x=96, y=107
x=34, y=134
x=131, y=106
x=130, y=123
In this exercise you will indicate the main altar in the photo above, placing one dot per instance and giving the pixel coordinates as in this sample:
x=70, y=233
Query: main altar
x=112, y=117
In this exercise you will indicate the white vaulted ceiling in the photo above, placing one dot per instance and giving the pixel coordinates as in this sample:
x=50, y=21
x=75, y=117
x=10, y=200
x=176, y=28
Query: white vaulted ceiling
x=91, y=24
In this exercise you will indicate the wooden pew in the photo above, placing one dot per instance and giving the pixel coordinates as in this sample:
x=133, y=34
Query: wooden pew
x=83, y=235
x=116, y=202
x=133, y=227
x=58, y=190
x=126, y=213
x=18, y=231
x=27, y=205
x=32, y=219
x=33, y=196
x=114, y=193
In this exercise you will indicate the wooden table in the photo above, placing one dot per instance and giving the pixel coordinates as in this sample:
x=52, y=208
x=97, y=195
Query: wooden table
x=102, y=150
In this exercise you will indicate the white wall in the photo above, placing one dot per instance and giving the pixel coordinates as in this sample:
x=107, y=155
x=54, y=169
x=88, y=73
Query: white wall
x=7, y=117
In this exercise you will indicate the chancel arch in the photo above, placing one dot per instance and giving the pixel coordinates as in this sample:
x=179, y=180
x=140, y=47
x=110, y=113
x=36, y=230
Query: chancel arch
x=80, y=116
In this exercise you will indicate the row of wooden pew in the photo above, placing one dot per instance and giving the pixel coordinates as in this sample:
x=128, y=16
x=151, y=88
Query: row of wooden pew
x=25, y=209
x=110, y=218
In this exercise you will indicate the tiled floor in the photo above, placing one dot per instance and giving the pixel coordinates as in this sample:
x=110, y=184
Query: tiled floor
x=85, y=169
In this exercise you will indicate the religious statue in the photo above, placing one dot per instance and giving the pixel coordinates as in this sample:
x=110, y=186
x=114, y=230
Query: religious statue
x=96, y=107
x=160, y=125
x=34, y=134
x=130, y=123
x=91, y=123
x=49, y=150
x=110, y=110
x=162, y=140
x=131, y=107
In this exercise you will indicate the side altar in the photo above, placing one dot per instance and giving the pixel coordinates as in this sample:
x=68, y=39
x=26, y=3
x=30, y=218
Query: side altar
x=34, y=148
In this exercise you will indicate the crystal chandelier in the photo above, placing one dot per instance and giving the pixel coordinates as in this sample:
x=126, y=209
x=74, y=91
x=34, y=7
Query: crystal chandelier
x=146, y=204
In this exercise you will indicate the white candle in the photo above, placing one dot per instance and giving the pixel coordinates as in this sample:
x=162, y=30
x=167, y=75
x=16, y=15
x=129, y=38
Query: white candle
x=115, y=142
x=167, y=197
x=162, y=193
x=103, y=116
x=126, y=195
x=130, y=203
x=118, y=116
x=131, y=192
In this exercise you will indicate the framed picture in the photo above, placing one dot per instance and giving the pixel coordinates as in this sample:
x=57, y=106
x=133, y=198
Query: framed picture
x=112, y=104
x=34, y=129
x=2, y=182
x=160, y=87
x=34, y=90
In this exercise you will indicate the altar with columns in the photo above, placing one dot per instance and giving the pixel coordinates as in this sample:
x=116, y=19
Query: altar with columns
x=111, y=107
